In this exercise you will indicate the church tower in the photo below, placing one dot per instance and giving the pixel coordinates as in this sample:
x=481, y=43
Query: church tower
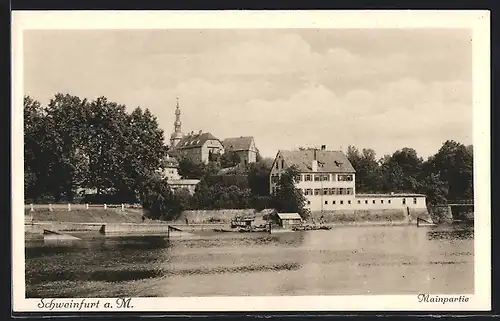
x=177, y=134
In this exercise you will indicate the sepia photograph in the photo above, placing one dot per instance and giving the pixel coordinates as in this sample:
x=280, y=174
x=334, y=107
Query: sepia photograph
x=212, y=160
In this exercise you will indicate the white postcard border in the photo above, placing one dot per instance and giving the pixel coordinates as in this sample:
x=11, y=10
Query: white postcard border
x=477, y=21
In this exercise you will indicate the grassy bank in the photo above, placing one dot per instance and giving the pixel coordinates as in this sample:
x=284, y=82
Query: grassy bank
x=109, y=215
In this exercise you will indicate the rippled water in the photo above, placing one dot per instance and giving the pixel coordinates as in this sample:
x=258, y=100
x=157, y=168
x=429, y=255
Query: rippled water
x=341, y=261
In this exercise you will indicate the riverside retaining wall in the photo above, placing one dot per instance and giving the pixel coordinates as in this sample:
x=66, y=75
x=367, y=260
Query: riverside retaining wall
x=220, y=216
x=372, y=215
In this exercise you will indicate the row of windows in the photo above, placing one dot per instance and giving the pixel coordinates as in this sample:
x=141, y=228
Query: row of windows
x=317, y=177
x=328, y=191
x=366, y=201
x=323, y=177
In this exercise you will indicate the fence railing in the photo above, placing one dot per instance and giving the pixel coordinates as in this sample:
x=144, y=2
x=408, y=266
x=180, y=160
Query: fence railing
x=69, y=206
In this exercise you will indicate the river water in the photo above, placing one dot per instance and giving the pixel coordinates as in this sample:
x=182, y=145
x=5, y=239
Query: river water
x=342, y=261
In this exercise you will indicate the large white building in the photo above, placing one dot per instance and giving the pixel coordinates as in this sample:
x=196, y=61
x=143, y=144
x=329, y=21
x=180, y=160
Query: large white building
x=327, y=180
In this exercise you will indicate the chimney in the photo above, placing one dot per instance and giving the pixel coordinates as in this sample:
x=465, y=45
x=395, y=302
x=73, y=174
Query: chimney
x=314, y=165
x=323, y=147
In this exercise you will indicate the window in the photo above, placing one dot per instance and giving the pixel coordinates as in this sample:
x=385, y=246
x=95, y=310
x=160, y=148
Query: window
x=298, y=178
x=326, y=202
x=317, y=178
x=359, y=202
x=341, y=202
x=326, y=177
x=366, y=201
x=308, y=191
x=344, y=178
x=348, y=202
x=325, y=191
x=404, y=201
x=333, y=202
x=282, y=163
x=276, y=165
x=373, y=201
x=307, y=177
x=317, y=191
x=414, y=200
x=389, y=201
x=381, y=201
x=308, y=202
x=349, y=191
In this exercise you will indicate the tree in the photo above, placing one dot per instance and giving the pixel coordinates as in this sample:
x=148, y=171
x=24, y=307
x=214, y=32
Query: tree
x=35, y=168
x=368, y=174
x=190, y=170
x=184, y=199
x=400, y=172
x=73, y=144
x=229, y=159
x=258, y=178
x=453, y=163
x=287, y=197
x=65, y=135
x=158, y=199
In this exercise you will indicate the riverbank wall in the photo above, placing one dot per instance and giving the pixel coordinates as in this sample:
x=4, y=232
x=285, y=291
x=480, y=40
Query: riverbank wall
x=372, y=215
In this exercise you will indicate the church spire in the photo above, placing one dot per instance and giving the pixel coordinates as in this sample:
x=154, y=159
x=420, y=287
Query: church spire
x=177, y=134
x=177, y=123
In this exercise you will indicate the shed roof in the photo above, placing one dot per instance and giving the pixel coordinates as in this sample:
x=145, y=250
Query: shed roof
x=238, y=143
x=289, y=216
x=328, y=161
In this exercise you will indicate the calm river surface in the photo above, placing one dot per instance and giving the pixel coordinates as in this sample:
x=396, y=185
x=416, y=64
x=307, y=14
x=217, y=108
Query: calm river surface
x=341, y=261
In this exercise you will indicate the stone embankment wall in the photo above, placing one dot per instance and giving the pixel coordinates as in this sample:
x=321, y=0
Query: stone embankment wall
x=214, y=216
x=373, y=215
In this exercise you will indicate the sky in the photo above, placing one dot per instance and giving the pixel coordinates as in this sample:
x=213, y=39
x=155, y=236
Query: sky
x=383, y=89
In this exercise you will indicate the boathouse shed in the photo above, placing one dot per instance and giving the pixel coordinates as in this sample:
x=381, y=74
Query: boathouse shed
x=289, y=219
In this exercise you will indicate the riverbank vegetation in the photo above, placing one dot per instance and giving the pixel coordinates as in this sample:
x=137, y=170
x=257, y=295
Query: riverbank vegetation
x=74, y=144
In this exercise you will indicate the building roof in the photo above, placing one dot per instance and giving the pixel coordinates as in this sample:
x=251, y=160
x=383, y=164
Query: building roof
x=389, y=195
x=328, y=161
x=229, y=170
x=238, y=143
x=195, y=140
x=183, y=181
x=289, y=216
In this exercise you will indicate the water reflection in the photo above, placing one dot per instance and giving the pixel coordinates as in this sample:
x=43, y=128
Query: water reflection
x=344, y=260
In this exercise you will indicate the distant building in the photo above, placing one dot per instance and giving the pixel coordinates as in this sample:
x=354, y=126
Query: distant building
x=243, y=146
x=178, y=184
x=174, y=180
x=327, y=180
x=199, y=147
x=170, y=168
x=196, y=146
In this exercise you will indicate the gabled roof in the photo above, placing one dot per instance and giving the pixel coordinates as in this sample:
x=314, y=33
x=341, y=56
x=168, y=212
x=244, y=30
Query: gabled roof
x=195, y=140
x=289, y=216
x=328, y=161
x=238, y=143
